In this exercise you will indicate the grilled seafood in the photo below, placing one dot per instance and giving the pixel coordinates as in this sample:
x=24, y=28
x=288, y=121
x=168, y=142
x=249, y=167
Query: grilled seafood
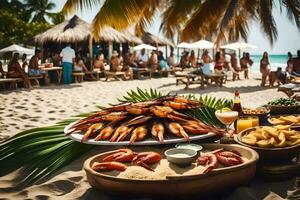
x=121, y=155
x=109, y=166
x=126, y=121
x=145, y=158
x=211, y=160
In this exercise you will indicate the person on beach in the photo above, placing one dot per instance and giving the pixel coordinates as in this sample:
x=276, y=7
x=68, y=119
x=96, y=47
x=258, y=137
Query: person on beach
x=193, y=59
x=219, y=63
x=143, y=59
x=153, y=61
x=162, y=63
x=99, y=62
x=24, y=62
x=79, y=65
x=296, y=65
x=68, y=58
x=206, y=63
x=15, y=70
x=56, y=59
x=235, y=67
x=2, y=72
x=244, y=64
x=264, y=68
x=33, y=67
x=184, y=60
x=249, y=64
x=116, y=65
x=289, y=63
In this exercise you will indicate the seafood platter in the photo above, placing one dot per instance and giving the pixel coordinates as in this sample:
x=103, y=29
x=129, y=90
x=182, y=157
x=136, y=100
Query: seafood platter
x=157, y=171
x=163, y=120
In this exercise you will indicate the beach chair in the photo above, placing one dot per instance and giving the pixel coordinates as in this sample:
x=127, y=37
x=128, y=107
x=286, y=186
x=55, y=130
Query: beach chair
x=289, y=89
x=188, y=80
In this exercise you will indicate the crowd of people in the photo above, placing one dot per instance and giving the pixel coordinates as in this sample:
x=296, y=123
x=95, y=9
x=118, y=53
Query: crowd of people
x=130, y=62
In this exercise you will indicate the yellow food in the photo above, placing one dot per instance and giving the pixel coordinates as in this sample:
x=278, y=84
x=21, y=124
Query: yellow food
x=286, y=120
x=272, y=137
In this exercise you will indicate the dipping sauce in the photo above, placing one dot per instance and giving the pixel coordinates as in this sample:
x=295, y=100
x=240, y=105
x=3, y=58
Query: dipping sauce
x=180, y=155
x=194, y=147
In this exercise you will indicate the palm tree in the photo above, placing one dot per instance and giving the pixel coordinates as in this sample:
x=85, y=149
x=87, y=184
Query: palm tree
x=40, y=9
x=223, y=20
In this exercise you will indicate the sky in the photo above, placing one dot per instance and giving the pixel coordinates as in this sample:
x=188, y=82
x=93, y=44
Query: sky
x=288, y=34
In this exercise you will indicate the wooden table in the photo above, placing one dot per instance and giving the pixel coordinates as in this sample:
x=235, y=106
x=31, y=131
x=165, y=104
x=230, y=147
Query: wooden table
x=58, y=71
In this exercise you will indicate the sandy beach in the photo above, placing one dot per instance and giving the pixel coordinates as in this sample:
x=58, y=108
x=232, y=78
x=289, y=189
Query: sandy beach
x=24, y=109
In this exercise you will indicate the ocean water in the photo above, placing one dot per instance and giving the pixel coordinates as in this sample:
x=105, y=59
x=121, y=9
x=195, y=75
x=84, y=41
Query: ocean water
x=275, y=62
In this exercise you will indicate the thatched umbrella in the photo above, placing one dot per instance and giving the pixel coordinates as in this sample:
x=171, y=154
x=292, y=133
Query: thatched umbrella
x=70, y=31
x=154, y=40
x=149, y=38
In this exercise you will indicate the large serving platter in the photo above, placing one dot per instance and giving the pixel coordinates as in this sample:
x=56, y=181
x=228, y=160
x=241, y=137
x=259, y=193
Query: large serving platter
x=178, y=186
x=169, y=139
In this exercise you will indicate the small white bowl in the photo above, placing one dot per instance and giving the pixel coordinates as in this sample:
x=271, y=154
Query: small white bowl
x=181, y=156
x=195, y=147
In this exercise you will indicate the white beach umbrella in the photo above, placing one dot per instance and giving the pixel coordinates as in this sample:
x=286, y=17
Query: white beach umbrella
x=239, y=46
x=184, y=45
x=202, y=44
x=144, y=46
x=16, y=48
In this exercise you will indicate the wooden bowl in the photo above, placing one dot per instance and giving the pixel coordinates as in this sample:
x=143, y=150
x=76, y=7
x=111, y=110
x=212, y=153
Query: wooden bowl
x=270, y=154
x=284, y=109
x=219, y=180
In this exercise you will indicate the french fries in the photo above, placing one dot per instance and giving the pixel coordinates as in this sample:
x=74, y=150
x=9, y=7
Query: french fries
x=285, y=120
x=272, y=137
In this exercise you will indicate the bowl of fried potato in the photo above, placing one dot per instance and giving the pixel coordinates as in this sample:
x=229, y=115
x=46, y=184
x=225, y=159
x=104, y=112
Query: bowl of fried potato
x=292, y=120
x=280, y=142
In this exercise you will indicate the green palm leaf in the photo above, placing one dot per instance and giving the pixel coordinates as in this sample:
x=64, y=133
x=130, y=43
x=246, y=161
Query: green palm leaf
x=40, y=152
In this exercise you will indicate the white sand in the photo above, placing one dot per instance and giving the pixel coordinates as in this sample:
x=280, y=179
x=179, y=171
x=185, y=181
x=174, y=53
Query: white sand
x=23, y=109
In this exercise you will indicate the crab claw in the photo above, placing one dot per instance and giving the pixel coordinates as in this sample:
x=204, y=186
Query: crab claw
x=178, y=130
x=158, y=131
x=138, y=134
x=145, y=158
x=109, y=166
x=121, y=155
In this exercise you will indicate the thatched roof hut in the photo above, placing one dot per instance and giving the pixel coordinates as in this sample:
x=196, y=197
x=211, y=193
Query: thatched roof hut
x=149, y=38
x=78, y=30
x=110, y=34
x=73, y=30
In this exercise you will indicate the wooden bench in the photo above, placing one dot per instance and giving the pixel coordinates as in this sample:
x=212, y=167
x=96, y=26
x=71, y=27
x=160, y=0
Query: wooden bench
x=94, y=74
x=35, y=79
x=143, y=72
x=218, y=79
x=13, y=82
x=114, y=75
x=187, y=80
x=78, y=76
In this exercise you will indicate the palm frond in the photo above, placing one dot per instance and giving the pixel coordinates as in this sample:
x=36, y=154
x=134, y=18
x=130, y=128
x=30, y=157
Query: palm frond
x=71, y=5
x=40, y=152
x=267, y=21
x=292, y=10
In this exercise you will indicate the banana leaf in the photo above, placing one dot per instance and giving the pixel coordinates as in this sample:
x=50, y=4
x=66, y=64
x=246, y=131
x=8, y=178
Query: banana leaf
x=40, y=152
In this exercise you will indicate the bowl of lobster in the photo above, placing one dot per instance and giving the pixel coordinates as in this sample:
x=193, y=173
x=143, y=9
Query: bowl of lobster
x=145, y=171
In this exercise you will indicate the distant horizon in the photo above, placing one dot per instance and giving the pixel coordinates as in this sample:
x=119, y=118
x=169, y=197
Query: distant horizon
x=285, y=42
